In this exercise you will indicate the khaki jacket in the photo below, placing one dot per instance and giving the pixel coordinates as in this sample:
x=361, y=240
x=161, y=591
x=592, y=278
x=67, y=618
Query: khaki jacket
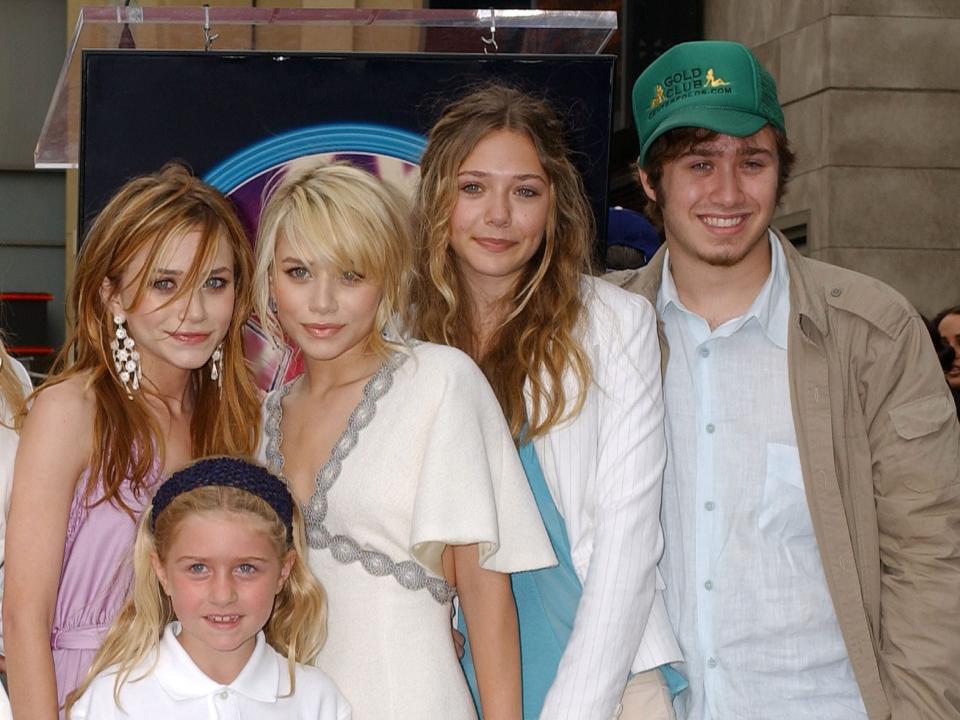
x=880, y=451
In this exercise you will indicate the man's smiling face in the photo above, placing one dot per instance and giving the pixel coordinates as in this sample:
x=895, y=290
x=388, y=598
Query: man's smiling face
x=718, y=198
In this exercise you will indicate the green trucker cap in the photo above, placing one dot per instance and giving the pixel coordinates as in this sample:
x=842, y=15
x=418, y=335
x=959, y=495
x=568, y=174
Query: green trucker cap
x=713, y=84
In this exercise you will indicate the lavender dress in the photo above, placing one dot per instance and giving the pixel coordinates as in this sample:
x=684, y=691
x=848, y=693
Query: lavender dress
x=97, y=569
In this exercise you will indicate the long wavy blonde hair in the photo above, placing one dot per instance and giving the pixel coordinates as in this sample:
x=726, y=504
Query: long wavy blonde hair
x=150, y=212
x=538, y=340
x=350, y=219
x=296, y=628
x=11, y=390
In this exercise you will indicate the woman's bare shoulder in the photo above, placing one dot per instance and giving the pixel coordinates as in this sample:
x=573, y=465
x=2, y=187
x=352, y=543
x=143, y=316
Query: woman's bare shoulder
x=70, y=399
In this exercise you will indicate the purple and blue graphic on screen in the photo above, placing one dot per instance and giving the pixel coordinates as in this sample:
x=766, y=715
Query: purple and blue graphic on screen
x=390, y=154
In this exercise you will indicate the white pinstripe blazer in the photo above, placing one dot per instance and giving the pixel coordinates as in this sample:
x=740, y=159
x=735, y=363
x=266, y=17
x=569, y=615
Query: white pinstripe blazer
x=604, y=469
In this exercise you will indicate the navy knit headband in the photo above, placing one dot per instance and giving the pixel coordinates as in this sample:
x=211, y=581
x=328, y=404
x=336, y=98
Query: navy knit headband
x=228, y=472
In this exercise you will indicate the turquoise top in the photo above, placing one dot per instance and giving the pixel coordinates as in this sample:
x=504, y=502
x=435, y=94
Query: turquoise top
x=547, y=602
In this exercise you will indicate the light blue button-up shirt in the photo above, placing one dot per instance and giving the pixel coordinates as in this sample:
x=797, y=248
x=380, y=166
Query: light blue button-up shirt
x=746, y=591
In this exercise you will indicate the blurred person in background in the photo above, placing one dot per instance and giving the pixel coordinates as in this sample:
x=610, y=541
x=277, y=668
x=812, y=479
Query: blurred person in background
x=946, y=328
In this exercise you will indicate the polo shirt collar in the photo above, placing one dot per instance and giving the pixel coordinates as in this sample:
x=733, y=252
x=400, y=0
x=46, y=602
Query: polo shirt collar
x=181, y=679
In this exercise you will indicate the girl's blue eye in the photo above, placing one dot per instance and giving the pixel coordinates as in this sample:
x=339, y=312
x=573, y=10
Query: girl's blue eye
x=470, y=187
x=246, y=569
x=216, y=283
x=197, y=568
x=297, y=272
x=527, y=192
x=164, y=284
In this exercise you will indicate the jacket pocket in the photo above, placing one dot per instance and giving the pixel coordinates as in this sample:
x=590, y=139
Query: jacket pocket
x=921, y=417
x=920, y=452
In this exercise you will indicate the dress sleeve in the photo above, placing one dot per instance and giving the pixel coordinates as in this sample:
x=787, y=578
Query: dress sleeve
x=471, y=486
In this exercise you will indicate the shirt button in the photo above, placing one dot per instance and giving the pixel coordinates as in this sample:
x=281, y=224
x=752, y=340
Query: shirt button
x=711, y=662
x=710, y=505
x=224, y=694
x=708, y=584
x=704, y=352
x=711, y=427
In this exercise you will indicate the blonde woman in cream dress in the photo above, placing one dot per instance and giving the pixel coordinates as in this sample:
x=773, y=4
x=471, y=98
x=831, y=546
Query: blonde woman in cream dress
x=399, y=453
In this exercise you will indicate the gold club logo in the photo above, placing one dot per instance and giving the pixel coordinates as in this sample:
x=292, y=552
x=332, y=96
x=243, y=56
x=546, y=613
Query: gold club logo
x=680, y=83
x=658, y=98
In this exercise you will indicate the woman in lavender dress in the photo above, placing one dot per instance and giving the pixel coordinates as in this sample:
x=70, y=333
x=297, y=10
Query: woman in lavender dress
x=161, y=291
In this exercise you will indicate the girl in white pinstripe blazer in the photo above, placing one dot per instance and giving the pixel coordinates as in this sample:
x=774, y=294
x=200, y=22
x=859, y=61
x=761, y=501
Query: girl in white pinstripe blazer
x=504, y=232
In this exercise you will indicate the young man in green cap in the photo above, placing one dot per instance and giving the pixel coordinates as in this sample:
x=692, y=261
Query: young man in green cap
x=811, y=504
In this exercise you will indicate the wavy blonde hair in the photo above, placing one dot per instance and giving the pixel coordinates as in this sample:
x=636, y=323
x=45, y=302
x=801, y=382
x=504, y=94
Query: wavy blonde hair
x=12, y=396
x=296, y=628
x=539, y=338
x=11, y=389
x=151, y=212
x=346, y=217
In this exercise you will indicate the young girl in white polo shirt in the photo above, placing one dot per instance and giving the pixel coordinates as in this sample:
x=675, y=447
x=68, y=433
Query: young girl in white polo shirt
x=222, y=611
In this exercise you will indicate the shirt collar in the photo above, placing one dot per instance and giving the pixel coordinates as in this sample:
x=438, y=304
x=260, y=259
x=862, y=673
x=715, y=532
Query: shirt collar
x=181, y=679
x=771, y=306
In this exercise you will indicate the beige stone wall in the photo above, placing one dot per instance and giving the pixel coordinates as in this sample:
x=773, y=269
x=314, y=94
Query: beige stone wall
x=871, y=96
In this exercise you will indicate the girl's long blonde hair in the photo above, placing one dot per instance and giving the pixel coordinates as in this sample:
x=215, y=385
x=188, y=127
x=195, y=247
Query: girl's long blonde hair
x=539, y=338
x=11, y=389
x=350, y=219
x=296, y=629
x=150, y=212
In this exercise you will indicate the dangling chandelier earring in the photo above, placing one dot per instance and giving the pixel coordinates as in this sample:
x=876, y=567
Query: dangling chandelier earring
x=125, y=359
x=216, y=366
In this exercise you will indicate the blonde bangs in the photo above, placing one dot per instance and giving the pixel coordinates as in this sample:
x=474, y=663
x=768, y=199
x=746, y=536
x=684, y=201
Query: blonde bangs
x=344, y=217
x=337, y=231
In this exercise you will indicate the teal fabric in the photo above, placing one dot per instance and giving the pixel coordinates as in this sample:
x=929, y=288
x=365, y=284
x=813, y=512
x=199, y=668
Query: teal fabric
x=676, y=682
x=547, y=602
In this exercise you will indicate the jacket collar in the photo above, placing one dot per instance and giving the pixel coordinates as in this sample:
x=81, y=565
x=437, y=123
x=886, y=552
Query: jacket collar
x=806, y=296
x=647, y=280
x=180, y=677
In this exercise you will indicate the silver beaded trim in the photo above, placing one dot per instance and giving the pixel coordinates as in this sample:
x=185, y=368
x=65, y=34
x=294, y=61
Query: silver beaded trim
x=409, y=573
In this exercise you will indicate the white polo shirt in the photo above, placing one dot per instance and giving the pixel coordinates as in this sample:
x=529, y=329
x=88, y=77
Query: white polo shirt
x=176, y=688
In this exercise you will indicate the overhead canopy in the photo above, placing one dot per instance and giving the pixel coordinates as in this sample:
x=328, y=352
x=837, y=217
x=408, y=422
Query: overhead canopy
x=305, y=30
